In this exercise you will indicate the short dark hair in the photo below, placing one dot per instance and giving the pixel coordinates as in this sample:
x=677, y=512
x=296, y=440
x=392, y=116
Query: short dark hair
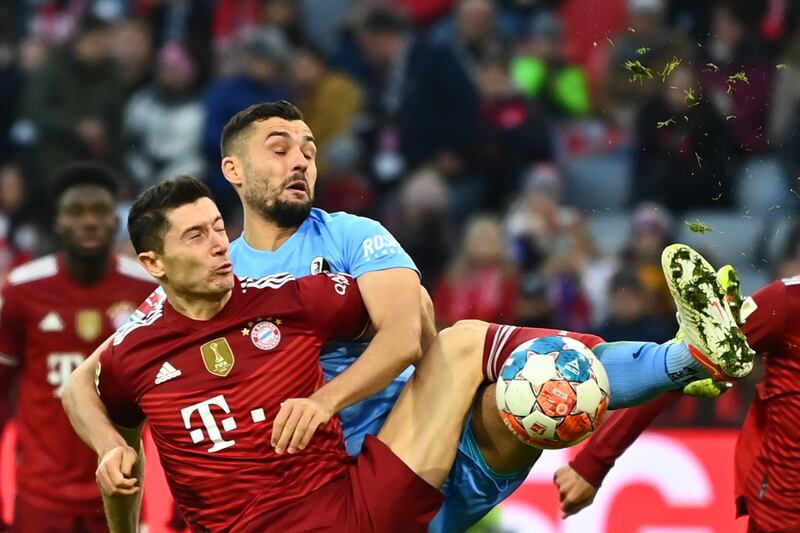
x=147, y=219
x=255, y=113
x=84, y=173
x=382, y=19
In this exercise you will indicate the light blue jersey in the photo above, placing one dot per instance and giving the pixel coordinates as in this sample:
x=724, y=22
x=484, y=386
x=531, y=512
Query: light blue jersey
x=345, y=243
x=340, y=242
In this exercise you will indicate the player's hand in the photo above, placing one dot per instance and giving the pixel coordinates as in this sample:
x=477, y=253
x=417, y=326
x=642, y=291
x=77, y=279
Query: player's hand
x=574, y=492
x=296, y=423
x=114, y=472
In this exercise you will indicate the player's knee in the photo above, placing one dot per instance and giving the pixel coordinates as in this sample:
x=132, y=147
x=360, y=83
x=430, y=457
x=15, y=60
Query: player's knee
x=464, y=339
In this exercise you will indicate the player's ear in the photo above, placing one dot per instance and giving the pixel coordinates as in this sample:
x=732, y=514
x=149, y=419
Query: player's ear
x=152, y=263
x=232, y=170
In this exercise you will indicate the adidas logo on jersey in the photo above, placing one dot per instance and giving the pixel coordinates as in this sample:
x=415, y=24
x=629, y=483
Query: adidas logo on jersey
x=51, y=322
x=166, y=373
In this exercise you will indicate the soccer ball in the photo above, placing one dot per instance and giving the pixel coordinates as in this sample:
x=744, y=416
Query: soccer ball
x=552, y=392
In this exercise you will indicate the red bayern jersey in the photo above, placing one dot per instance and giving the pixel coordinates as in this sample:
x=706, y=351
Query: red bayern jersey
x=767, y=452
x=48, y=326
x=210, y=391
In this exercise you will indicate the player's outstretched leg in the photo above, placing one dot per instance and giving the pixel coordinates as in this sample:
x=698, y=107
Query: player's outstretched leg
x=705, y=318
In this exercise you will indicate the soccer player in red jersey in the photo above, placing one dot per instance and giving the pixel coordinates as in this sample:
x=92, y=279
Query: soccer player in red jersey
x=55, y=311
x=767, y=459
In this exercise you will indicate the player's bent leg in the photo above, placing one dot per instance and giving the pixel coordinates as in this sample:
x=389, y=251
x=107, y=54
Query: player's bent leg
x=425, y=426
x=502, y=452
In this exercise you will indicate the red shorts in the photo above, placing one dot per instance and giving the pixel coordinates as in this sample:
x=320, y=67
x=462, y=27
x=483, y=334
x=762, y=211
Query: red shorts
x=28, y=519
x=379, y=493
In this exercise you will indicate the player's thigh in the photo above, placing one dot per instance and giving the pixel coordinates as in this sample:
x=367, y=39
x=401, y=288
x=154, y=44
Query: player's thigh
x=501, y=450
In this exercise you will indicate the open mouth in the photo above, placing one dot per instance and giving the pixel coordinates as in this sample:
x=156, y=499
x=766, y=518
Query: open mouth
x=298, y=185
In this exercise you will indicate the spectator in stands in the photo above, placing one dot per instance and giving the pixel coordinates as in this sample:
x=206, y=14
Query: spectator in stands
x=543, y=73
x=188, y=22
x=682, y=152
x=420, y=220
x=133, y=51
x=163, y=122
x=633, y=314
x=331, y=101
x=648, y=40
x=259, y=77
x=286, y=16
x=20, y=230
x=424, y=102
x=534, y=308
x=75, y=99
x=474, y=32
x=651, y=231
x=553, y=240
x=734, y=48
x=514, y=133
x=482, y=281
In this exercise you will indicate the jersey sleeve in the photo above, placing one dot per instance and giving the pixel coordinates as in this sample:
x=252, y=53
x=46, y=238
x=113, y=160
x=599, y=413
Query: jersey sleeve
x=334, y=306
x=121, y=407
x=369, y=247
x=12, y=328
x=154, y=300
x=597, y=457
x=765, y=315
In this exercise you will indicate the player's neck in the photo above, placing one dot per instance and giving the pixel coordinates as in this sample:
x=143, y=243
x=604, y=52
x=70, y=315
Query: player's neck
x=87, y=271
x=264, y=234
x=195, y=307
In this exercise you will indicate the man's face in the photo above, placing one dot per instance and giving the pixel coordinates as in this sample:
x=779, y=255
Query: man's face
x=86, y=221
x=195, y=256
x=279, y=170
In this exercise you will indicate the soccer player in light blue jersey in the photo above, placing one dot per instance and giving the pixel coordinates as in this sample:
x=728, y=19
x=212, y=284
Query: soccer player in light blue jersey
x=268, y=156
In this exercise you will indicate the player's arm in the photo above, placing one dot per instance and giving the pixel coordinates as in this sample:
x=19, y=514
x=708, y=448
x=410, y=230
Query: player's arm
x=393, y=300
x=336, y=310
x=85, y=409
x=123, y=464
x=579, y=482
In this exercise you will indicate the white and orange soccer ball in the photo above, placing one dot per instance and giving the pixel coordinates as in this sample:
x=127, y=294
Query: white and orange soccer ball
x=552, y=392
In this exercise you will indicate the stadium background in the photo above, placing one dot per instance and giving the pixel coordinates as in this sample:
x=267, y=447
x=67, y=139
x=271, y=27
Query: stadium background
x=532, y=176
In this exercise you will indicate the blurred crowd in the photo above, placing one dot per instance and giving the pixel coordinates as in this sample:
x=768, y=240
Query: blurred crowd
x=533, y=156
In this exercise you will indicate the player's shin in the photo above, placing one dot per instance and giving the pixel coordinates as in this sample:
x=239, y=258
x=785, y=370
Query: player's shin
x=425, y=425
x=639, y=372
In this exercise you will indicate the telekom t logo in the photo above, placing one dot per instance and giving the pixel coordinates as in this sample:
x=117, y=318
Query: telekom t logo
x=210, y=423
x=60, y=367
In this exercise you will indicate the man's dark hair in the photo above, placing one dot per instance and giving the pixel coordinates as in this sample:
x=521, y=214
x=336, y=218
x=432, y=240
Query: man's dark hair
x=84, y=173
x=382, y=19
x=255, y=113
x=147, y=219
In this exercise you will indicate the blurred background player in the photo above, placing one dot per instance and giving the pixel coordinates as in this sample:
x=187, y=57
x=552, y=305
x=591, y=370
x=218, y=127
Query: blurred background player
x=55, y=311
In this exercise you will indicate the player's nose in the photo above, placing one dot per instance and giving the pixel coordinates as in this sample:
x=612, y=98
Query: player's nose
x=298, y=161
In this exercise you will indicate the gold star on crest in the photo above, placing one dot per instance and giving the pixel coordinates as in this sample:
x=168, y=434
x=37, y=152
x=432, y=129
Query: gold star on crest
x=245, y=331
x=278, y=321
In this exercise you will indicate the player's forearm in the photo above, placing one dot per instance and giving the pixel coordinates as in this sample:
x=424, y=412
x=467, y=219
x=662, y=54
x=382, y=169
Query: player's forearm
x=86, y=411
x=597, y=458
x=123, y=512
x=391, y=351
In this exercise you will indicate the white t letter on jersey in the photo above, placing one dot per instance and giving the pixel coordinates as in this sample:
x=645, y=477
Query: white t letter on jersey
x=60, y=367
x=214, y=434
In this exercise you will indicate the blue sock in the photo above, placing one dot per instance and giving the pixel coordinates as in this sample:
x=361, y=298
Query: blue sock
x=642, y=371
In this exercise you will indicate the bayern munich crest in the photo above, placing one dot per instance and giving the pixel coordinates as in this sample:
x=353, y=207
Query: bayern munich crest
x=265, y=335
